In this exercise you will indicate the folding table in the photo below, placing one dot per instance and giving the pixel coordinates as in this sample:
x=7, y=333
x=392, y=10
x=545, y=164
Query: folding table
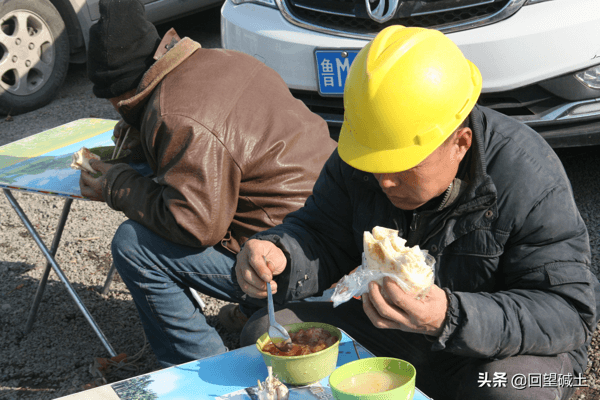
x=41, y=164
x=225, y=376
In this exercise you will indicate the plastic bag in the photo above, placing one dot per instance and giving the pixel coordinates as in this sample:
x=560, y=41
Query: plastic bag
x=357, y=283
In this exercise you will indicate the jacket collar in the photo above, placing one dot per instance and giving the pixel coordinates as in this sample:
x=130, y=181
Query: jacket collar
x=480, y=190
x=169, y=58
x=474, y=191
x=475, y=207
x=167, y=43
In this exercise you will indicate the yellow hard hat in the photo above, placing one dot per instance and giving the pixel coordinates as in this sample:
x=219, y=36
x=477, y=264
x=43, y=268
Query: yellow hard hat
x=406, y=92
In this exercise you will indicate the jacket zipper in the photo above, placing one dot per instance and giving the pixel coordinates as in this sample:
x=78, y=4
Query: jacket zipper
x=414, y=224
x=416, y=234
x=412, y=236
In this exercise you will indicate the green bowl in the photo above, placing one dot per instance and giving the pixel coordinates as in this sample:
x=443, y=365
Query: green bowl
x=354, y=371
x=302, y=370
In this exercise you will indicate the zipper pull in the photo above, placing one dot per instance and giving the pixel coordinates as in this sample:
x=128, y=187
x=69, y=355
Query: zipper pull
x=398, y=228
x=415, y=221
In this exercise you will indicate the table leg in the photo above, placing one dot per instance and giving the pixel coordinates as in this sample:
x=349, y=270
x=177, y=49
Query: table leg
x=109, y=278
x=42, y=285
x=59, y=272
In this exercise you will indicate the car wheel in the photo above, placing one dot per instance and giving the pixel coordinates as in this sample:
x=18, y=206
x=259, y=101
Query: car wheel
x=34, y=54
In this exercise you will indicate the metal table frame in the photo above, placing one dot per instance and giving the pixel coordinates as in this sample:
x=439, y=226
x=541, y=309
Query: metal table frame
x=52, y=264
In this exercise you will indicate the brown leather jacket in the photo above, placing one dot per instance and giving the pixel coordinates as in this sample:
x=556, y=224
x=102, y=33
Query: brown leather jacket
x=232, y=150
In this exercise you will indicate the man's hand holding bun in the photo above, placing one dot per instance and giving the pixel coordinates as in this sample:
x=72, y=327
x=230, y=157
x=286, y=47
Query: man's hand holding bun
x=92, y=187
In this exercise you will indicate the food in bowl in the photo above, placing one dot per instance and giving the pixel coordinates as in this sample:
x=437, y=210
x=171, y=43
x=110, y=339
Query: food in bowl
x=375, y=378
x=372, y=382
x=305, y=341
x=302, y=369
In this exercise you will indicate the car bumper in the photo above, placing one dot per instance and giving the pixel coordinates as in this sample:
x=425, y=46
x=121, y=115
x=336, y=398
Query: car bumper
x=513, y=53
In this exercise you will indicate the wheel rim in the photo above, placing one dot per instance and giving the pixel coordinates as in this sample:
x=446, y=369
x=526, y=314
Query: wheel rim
x=26, y=52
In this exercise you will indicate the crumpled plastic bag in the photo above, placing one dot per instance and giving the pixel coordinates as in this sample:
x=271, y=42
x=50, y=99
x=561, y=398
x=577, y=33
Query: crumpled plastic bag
x=357, y=283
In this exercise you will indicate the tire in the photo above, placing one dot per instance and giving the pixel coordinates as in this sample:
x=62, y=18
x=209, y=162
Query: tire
x=34, y=54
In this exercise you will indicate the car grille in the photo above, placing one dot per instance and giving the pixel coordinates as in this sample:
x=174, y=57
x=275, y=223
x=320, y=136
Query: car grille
x=526, y=104
x=351, y=15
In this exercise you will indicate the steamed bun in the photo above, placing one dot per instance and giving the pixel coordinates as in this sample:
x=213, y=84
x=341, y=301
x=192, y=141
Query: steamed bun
x=386, y=251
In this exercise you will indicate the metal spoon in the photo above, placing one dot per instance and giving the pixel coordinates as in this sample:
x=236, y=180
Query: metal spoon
x=278, y=334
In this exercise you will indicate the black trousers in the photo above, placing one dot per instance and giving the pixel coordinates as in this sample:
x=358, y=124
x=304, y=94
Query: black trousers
x=440, y=375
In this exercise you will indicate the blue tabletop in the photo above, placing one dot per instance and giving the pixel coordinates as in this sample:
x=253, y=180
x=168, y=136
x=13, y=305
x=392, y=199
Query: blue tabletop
x=225, y=376
x=41, y=163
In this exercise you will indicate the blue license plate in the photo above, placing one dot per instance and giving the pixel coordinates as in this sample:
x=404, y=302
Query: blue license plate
x=332, y=70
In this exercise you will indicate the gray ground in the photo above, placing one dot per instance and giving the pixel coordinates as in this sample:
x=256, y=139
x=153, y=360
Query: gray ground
x=55, y=358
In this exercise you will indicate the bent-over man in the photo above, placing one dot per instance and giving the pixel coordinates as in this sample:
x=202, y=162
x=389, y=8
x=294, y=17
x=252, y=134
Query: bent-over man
x=486, y=197
x=231, y=151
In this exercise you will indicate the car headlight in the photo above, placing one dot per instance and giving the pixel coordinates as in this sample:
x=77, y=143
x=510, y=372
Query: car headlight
x=269, y=3
x=590, y=77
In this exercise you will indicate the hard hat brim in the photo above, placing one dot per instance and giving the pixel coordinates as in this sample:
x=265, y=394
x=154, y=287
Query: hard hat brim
x=381, y=161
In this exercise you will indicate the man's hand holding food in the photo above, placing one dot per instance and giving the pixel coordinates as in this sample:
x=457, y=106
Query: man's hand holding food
x=390, y=307
x=92, y=187
x=387, y=306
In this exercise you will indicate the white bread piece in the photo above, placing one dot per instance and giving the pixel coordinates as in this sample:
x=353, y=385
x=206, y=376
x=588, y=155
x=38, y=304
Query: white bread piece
x=81, y=160
x=385, y=251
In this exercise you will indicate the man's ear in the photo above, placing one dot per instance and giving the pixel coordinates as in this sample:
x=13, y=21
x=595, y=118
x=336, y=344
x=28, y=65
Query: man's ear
x=462, y=143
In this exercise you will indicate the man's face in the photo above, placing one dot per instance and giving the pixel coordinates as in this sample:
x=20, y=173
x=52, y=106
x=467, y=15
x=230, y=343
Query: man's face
x=412, y=188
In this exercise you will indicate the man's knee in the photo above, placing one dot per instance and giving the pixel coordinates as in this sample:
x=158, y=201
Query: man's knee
x=258, y=324
x=124, y=233
x=125, y=242
x=254, y=328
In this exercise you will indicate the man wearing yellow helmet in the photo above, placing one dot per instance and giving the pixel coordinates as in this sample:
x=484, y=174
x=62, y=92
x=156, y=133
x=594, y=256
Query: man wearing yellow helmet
x=513, y=306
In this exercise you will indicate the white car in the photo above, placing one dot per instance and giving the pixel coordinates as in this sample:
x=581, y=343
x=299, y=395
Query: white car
x=38, y=39
x=540, y=59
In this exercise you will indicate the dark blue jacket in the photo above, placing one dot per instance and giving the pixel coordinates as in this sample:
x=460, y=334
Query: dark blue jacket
x=511, y=248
